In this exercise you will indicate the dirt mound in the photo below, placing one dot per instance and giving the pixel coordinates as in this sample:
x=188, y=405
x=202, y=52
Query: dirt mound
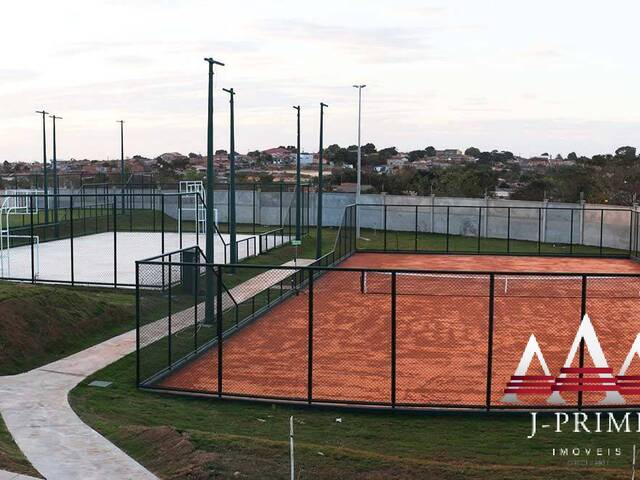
x=173, y=453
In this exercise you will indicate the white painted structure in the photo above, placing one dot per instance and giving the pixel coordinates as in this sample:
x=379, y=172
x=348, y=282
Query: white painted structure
x=193, y=205
x=17, y=202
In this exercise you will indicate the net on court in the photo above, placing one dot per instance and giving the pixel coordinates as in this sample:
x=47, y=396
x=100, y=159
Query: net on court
x=478, y=285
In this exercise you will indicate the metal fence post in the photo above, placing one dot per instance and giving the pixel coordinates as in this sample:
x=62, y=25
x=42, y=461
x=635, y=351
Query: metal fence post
x=601, y=228
x=571, y=235
x=492, y=281
x=162, y=221
x=71, y=233
x=169, y=314
x=447, y=237
x=281, y=186
x=385, y=228
x=115, y=241
x=180, y=219
x=219, y=326
x=131, y=207
x=31, y=233
x=583, y=311
x=253, y=207
x=393, y=338
x=415, y=236
x=137, y=324
x=539, y=230
x=630, y=232
x=310, y=346
x=508, y=229
x=196, y=288
x=479, y=228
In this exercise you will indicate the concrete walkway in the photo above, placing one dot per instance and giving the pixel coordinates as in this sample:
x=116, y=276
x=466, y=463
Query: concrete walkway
x=58, y=444
x=4, y=475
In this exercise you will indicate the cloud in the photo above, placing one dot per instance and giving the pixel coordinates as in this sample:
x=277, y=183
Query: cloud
x=370, y=44
x=541, y=54
x=8, y=75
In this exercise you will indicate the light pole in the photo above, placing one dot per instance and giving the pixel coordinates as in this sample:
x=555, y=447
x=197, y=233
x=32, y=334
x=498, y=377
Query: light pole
x=319, y=207
x=211, y=227
x=122, y=173
x=232, y=181
x=359, y=167
x=44, y=164
x=55, y=178
x=298, y=192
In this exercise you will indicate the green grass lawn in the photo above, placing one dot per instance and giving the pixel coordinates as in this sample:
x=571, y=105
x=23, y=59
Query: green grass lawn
x=436, y=242
x=178, y=437
x=41, y=323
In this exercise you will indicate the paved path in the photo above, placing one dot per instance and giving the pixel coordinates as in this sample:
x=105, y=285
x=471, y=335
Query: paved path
x=58, y=444
x=4, y=475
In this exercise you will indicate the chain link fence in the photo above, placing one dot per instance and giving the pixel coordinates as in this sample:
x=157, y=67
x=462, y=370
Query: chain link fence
x=95, y=238
x=325, y=334
x=598, y=232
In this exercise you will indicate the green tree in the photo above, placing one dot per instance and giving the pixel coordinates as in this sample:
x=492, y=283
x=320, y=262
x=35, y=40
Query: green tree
x=387, y=153
x=368, y=149
x=430, y=151
x=472, y=152
x=416, y=155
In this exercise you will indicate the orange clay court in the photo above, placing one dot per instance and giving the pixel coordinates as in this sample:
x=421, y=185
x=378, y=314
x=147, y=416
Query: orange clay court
x=442, y=331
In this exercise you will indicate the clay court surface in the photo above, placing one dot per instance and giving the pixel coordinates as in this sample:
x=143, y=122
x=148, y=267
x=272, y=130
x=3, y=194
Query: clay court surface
x=442, y=331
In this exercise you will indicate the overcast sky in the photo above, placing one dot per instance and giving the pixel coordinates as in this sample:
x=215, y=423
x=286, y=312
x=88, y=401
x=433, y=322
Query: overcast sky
x=527, y=76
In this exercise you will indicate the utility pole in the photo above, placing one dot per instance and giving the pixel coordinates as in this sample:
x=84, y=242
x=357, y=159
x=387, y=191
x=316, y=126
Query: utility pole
x=359, y=172
x=232, y=181
x=55, y=179
x=320, y=185
x=44, y=164
x=122, y=172
x=298, y=192
x=210, y=276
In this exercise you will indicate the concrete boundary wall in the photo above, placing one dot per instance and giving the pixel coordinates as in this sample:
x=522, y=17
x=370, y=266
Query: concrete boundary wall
x=552, y=222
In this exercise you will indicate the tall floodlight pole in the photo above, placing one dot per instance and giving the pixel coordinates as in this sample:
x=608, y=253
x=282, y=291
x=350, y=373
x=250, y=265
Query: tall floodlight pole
x=320, y=185
x=211, y=227
x=55, y=178
x=122, y=172
x=298, y=192
x=359, y=167
x=44, y=164
x=232, y=180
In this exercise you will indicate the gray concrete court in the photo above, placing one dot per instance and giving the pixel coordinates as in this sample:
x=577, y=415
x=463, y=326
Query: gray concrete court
x=93, y=255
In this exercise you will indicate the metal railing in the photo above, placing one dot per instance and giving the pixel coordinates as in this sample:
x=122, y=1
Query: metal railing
x=505, y=230
x=95, y=238
x=392, y=338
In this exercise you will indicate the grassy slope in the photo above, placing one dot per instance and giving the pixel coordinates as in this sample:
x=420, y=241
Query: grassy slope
x=40, y=323
x=180, y=437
